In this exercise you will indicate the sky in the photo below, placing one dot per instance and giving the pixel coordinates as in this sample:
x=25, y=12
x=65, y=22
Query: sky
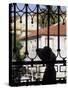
x=32, y=6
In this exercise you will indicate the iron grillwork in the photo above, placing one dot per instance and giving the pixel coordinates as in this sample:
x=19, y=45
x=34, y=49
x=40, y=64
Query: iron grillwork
x=19, y=68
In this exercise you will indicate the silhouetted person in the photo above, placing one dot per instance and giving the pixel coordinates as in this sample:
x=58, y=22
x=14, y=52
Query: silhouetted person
x=48, y=56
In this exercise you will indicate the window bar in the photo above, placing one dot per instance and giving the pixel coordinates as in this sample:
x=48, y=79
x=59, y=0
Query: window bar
x=48, y=23
x=58, y=29
x=10, y=45
x=37, y=26
x=26, y=16
x=14, y=27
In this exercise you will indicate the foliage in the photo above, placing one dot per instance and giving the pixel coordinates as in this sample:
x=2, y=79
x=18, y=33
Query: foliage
x=43, y=20
x=18, y=47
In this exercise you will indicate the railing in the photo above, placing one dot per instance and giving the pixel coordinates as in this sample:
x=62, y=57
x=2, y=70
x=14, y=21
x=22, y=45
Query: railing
x=16, y=68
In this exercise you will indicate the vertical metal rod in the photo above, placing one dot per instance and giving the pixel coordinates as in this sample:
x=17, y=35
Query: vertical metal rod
x=10, y=45
x=48, y=23
x=17, y=67
x=26, y=17
x=58, y=28
x=14, y=27
x=37, y=26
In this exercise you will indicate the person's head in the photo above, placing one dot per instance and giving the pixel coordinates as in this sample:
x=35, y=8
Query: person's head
x=46, y=54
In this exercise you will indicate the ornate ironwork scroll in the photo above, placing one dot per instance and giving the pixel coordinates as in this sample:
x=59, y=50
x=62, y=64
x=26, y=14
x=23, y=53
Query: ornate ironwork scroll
x=27, y=70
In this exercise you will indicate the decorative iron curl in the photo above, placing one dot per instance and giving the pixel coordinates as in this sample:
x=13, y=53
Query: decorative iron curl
x=33, y=57
x=42, y=10
x=20, y=10
x=32, y=16
x=59, y=54
x=32, y=10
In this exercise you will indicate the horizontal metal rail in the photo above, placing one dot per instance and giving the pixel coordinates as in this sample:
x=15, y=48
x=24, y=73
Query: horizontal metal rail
x=37, y=83
x=37, y=62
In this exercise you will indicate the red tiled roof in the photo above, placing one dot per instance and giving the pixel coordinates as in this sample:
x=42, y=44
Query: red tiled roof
x=53, y=31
